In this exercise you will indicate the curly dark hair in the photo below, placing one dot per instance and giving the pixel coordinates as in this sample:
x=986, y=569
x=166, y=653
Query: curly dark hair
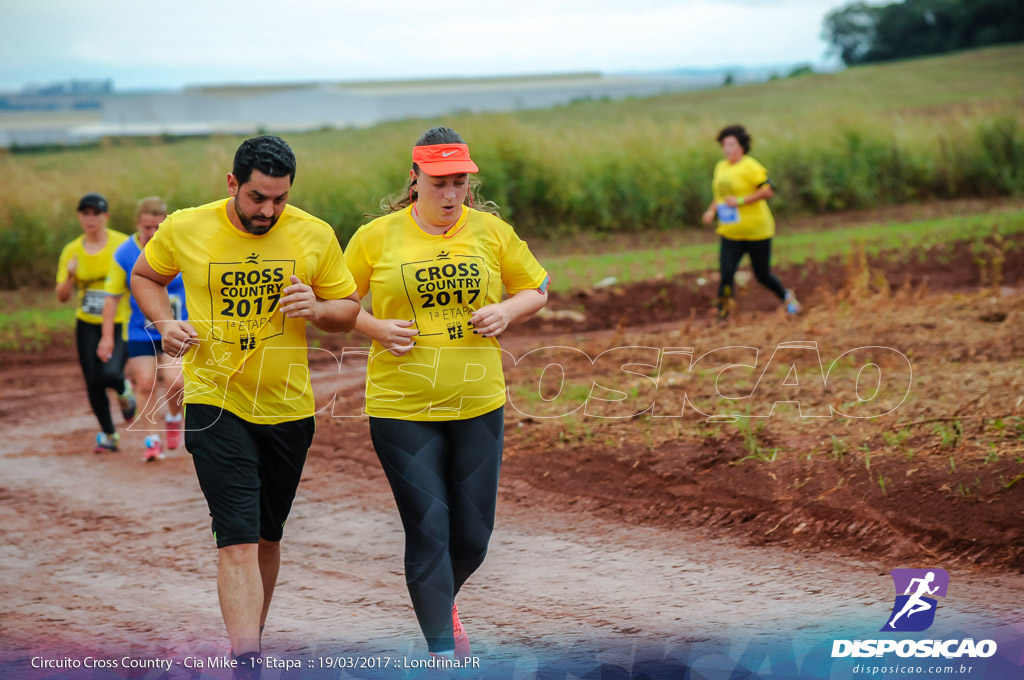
x=269, y=154
x=737, y=131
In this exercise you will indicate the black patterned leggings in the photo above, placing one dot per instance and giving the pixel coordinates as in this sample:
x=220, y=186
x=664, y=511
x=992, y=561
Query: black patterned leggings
x=444, y=475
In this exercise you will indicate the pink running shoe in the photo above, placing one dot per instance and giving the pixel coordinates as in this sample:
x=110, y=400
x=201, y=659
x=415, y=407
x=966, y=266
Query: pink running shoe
x=154, y=449
x=173, y=430
x=461, y=639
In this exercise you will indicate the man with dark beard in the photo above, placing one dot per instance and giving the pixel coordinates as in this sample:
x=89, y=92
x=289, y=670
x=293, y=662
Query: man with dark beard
x=255, y=270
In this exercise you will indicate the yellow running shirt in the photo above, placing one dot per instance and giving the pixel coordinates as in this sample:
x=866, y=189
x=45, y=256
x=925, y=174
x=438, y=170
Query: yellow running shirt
x=251, y=359
x=748, y=222
x=438, y=282
x=91, y=276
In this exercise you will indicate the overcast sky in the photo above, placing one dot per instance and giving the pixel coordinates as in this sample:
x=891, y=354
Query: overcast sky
x=161, y=44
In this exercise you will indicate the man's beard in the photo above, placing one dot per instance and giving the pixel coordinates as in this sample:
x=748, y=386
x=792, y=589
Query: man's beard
x=247, y=223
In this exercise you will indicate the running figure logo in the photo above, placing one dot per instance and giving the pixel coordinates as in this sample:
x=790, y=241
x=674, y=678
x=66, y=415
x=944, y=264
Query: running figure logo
x=914, y=611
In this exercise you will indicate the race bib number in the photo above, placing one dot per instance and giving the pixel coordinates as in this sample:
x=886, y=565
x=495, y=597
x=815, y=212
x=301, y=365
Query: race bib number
x=728, y=214
x=92, y=301
x=176, y=307
x=444, y=293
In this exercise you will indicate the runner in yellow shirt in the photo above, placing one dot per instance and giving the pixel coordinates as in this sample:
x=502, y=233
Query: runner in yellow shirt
x=741, y=190
x=255, y=271
x=83, y=268
x=435, y=392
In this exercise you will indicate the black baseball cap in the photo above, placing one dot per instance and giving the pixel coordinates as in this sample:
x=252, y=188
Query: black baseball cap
x=93, y=200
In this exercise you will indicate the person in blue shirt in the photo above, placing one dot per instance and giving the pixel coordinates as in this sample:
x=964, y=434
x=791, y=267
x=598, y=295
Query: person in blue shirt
x=146, y=360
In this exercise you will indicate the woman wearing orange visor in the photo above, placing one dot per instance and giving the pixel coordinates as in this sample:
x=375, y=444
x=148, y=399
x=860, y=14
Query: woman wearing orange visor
x=435, y=267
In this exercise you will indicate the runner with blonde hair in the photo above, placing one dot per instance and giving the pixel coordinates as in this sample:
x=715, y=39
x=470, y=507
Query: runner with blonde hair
x=146, y=360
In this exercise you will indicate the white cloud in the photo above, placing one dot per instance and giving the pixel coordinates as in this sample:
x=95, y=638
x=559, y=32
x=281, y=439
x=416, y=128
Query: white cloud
x=193, y=41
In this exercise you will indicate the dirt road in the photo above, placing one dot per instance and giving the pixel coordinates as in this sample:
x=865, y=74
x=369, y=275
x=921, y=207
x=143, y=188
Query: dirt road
x=103, y=552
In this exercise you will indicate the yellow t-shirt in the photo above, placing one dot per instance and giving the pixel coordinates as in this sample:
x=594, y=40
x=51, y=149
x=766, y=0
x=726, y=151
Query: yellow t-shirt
x=91, y=276
x=748, y=222
x=438, y=282
x=250, y=360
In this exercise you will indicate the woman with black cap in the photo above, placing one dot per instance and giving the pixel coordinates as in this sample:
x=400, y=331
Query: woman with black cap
x=83, y=267
x=435, y=392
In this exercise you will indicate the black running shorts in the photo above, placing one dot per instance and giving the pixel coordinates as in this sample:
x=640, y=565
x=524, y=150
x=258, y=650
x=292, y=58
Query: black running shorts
x=248, y=472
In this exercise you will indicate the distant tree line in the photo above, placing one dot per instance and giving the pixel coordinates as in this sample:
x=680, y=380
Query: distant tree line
x=862, y=33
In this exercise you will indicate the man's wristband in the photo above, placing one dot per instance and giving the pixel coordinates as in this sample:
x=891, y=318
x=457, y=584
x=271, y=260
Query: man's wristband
x=740, y=200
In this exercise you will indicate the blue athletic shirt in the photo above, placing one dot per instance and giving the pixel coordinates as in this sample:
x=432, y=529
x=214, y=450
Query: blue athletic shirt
x=119, y=282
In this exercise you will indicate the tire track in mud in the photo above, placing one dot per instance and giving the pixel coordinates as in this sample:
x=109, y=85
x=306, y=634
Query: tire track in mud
x=104, y=551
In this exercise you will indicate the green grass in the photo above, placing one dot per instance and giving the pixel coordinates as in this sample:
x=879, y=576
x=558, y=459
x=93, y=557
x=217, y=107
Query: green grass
x=34, y=319
x=573, y=272
x=36, y=316
x=941, y=127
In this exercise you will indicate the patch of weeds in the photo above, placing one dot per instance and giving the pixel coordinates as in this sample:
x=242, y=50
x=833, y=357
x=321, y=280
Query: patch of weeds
x=765, y=456
x=896, y=439
x=839, y=449
x=751, y=440
x=882, y=483
x=950, y=435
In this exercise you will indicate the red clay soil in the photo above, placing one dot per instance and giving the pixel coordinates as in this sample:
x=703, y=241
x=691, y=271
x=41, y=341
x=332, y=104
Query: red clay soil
x=663, y=529
x=922, y=498
x=919, y=500
x=949, y=267
x=713, y=484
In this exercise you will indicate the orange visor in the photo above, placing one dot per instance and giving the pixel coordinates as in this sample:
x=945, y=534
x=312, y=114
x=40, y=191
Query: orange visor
x=438, y=160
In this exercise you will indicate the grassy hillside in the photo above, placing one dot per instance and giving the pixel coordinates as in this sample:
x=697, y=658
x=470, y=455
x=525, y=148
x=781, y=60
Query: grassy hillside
x=941, y=127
